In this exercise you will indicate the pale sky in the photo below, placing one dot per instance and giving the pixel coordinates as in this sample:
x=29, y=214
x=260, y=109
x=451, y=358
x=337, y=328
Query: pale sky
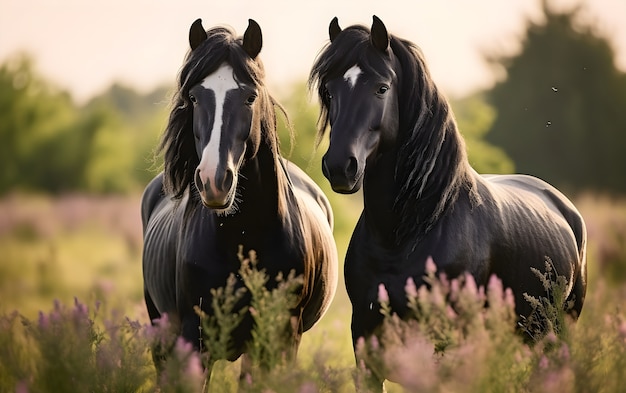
x=85, y=45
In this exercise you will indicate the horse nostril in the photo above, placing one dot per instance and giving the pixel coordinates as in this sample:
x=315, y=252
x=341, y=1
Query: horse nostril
x=198, y=180
x=325, y=170
x=227, y=183
x=351, y=168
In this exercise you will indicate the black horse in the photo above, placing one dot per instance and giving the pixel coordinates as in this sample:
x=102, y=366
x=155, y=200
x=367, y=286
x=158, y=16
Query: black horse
x=225, y=184
x=393, y=132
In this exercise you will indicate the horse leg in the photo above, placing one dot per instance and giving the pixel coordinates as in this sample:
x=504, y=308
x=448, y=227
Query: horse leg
x=577, y=295
x=159, y=354
x=366, y=380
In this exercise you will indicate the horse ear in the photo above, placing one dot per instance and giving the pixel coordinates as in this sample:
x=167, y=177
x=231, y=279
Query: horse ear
x=252, y=39
x=379, y=36
x=334, y=29
x=197, y=34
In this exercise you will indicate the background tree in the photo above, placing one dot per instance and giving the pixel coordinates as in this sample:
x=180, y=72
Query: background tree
x=560, y=110
x=50, y=144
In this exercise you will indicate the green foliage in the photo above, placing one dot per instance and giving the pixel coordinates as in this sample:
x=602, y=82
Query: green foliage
x=275, y=330
x=548, y=313
x=475, y=117
x=51, y=144
x=66, y=350
x=34, y=119
x=217, y=328
x=560, y=109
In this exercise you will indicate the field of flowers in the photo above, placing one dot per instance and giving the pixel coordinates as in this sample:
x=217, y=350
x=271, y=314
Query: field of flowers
x=72, y=318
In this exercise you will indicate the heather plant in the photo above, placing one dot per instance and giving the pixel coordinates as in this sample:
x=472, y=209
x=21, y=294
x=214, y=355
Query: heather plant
x=271, y=351
x=549, y=312
x=66, y=350
x=461, y=337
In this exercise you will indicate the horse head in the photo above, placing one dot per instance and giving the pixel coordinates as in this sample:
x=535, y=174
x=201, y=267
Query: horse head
x=225, y=120
x=358, y=87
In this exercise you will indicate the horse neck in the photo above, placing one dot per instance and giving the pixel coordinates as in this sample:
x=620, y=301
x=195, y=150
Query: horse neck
x=258, y=191
x=378, y=198
x=406, y=191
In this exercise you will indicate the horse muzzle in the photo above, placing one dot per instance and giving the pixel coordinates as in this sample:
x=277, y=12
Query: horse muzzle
x=216, y=193
x=345, y=176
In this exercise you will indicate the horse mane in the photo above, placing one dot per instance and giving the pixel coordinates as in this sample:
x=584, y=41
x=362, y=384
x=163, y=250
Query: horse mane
x=432, y=166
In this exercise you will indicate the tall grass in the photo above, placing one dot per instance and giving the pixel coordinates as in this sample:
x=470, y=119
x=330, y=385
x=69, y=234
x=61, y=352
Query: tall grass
x=452, y=343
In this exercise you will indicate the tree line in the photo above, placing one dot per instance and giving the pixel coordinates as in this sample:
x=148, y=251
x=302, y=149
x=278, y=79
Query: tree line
x=556, y=113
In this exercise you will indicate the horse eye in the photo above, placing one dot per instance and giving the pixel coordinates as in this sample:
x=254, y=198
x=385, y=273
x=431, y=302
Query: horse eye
x=251, y=98
x=382, y=90
x=192, y=98
x=327, y=95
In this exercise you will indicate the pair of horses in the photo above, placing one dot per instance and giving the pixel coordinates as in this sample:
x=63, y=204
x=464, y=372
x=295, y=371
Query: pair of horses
x=392, y=133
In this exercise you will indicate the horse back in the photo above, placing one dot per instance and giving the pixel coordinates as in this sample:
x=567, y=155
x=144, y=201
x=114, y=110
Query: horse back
x=541, y=220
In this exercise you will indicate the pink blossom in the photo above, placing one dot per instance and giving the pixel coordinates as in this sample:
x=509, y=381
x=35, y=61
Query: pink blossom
x=470, y=284
x=44, y=321
x=194, y=367
x=455, y=288
x=564, y=353
x=544, y=363
x=383, y=295
x=182, y=348
x=308, y=387
x=509, y=298
x=431, y=268
x=410, y=289
x=374, y=343
x=21, y=387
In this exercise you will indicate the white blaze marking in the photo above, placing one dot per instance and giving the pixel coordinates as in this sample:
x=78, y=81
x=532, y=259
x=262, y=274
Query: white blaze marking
x=352, y=75
x=220, y=82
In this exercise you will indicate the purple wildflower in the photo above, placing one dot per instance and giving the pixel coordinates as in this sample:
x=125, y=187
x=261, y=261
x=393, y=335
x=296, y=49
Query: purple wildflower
x=431, y=268
x=383, y=295
x=410, y=289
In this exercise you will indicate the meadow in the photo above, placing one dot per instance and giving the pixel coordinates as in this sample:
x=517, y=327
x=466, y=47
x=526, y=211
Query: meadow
x=72, y=317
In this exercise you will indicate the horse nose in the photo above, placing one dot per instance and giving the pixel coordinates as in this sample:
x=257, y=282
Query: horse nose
x=346, y=169
x=351, y=168
x=224, y=181
x=200, y=184
x=325, y=170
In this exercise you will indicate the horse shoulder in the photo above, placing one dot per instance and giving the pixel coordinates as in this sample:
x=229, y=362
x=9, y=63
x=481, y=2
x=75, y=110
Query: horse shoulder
x=151, y=196
x=317, y=217
x=306, y=189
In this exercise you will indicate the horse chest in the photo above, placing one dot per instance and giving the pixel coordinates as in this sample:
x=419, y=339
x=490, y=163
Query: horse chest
x=221, y=245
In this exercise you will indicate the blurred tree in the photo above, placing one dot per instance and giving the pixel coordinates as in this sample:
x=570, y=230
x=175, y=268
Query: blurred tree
x=303, y=118
x=560, y=110
x=124, y=150
x=49, y=144
x=35, y=119
x=475, y=118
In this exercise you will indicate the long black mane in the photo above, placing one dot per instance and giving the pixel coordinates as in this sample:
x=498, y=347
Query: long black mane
x=177, y=144
x=432, y=164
